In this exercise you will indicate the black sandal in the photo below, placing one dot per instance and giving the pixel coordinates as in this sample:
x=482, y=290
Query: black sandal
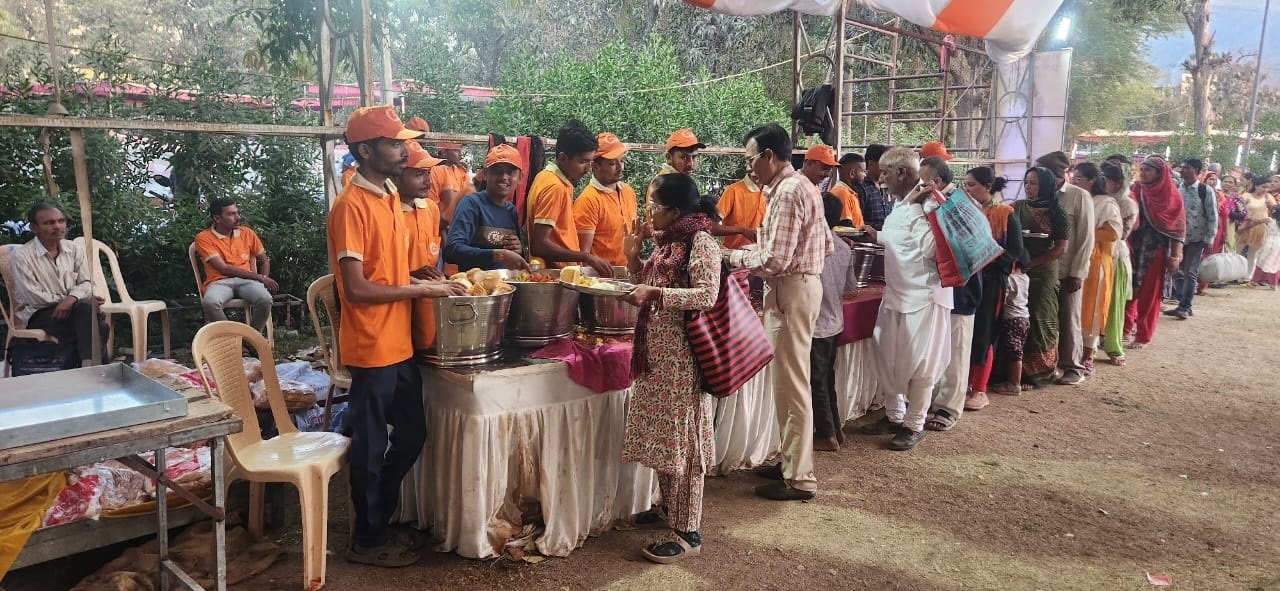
x=680, y=546
x=654, y=518
x=389, y=555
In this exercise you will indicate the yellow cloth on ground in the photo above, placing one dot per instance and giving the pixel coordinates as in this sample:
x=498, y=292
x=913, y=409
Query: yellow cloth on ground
x=23, y=504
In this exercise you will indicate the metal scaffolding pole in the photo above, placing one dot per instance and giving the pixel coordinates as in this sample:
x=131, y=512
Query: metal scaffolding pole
x=1257, y=80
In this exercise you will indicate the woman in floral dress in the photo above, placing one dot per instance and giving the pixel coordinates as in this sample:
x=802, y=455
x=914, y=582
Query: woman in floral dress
x=669, y=420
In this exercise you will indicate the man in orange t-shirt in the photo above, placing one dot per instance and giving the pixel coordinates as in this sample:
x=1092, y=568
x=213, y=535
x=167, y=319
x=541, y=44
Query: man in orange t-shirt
x=450, y=181
x=422, y=220
x=368, y=249
x=681, y=156
x=851, y=173
x=606, y=210
x=235, y=266
x=741, y=209
x=553, y=236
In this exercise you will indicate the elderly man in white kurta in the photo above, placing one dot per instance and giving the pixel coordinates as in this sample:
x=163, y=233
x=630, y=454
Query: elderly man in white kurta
x=913, y=329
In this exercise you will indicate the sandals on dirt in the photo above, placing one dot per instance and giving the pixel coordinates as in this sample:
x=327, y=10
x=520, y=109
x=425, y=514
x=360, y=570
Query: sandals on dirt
x=654, y=518
x=940, y=421
x=976, y=401
x=1135, y=345
x=1118, y=361
x=389, y=555
x=676, y=547
x=1008, y=389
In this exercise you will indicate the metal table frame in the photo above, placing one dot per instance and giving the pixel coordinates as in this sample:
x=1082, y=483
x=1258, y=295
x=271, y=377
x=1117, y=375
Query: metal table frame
x=126, y=452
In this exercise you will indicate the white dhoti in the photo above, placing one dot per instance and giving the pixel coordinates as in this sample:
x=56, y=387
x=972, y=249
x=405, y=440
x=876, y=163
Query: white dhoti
x=915, y=349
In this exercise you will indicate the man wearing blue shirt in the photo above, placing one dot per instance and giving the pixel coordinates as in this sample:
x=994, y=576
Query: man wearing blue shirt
x=1201, y=205
x=485, y=232
x=875, y=202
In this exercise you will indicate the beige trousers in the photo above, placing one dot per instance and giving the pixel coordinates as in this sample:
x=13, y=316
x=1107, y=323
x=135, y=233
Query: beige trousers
x=791, y=306
x=949, y=393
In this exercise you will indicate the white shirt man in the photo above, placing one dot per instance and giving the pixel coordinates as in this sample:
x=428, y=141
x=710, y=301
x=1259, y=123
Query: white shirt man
x=913, y=328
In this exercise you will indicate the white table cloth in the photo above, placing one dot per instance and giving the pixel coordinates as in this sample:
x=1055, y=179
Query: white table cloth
x=747, y=433
x=516, y=441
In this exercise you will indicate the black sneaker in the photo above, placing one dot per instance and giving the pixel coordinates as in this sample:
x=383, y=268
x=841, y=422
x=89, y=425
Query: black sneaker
x=905, y=439
x=773, y=472
x=781, y=491
x=881, y=427
x=1181, y=314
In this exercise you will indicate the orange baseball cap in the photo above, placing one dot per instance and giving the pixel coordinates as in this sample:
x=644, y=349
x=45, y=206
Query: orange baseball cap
x=611, y=147
x=369, y=123
x=418, y=124
x=822, y=153
x=448, y=146
x=684, y=138
x=419, y=157
x=935, y=149
x=504, y=154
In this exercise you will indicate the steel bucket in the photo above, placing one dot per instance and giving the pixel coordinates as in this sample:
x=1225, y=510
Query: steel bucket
x=540, y=312
x=468, y=329
x=607, y=315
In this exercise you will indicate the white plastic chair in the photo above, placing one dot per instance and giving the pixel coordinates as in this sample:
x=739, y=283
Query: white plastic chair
x=321, y=295
x=305, y=460
x=197, y=268
x=137, y=310
x=10, y=306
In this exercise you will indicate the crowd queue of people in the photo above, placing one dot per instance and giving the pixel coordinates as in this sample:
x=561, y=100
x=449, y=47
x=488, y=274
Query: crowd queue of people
x=1089, y=256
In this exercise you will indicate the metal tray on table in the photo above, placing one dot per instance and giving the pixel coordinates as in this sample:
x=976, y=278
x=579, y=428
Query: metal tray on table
x=44, y=407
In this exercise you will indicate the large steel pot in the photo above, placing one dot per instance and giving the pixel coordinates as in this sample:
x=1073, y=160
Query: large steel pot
x=541, y=312
x=468, y=329
x=869, y=263
x=607, y=315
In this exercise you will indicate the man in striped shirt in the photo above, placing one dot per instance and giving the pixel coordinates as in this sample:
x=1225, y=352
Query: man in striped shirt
x=793, y=245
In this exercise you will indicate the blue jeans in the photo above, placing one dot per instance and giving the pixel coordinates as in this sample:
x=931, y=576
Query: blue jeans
x=379, y=460
x=1186, y=280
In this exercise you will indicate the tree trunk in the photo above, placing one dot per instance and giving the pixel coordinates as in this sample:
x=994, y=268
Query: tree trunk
x=1200, y=65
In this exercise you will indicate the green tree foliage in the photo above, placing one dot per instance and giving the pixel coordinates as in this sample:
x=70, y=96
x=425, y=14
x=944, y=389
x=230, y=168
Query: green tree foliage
x=640, y=93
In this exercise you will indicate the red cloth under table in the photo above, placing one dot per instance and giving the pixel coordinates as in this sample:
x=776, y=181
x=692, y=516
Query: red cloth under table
x=602, y=368
x=860, y=314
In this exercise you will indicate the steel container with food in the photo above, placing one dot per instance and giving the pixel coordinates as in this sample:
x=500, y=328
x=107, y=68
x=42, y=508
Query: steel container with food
x=541, y=310
x=468, y=329
x=607, y=315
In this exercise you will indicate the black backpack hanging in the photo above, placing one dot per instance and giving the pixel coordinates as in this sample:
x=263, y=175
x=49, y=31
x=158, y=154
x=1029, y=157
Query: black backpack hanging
x=814, y=113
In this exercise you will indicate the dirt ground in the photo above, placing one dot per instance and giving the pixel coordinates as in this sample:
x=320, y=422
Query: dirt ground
x=1167, y=466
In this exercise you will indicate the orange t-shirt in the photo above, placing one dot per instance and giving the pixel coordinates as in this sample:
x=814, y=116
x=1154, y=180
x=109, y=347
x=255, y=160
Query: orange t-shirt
x=609, y=214
x=347, y=175
x=237, y=250
x=447, y=176
x=852, y=208
x=741, y=204
x=423, y=223
x=550, y=203
x=366, y=224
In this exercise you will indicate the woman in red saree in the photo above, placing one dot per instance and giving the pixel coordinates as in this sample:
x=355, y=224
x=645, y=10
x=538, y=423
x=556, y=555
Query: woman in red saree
x=1155, y=245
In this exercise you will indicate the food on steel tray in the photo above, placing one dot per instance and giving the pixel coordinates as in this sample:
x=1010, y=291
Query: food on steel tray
x=482, y=283
x=573, y=275
x=527, y=277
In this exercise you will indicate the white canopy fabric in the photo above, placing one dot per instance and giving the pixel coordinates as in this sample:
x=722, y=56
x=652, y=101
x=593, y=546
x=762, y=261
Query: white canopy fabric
x=1008, y=27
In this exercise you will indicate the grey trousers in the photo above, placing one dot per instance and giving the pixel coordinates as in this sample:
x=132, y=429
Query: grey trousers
x=1070, y=337
x=252, y=292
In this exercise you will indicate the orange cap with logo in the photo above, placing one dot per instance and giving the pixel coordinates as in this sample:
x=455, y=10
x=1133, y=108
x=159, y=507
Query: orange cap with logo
x=369, y=123
x=684, y=138
x=419, y=157
x=823, y=154
x=418, y=124
x=504, y=154
x=935, y=149
x=611, y=147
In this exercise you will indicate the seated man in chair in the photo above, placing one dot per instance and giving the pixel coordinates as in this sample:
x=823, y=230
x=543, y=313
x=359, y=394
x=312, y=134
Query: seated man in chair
x=52, y=284
x=227, y=250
